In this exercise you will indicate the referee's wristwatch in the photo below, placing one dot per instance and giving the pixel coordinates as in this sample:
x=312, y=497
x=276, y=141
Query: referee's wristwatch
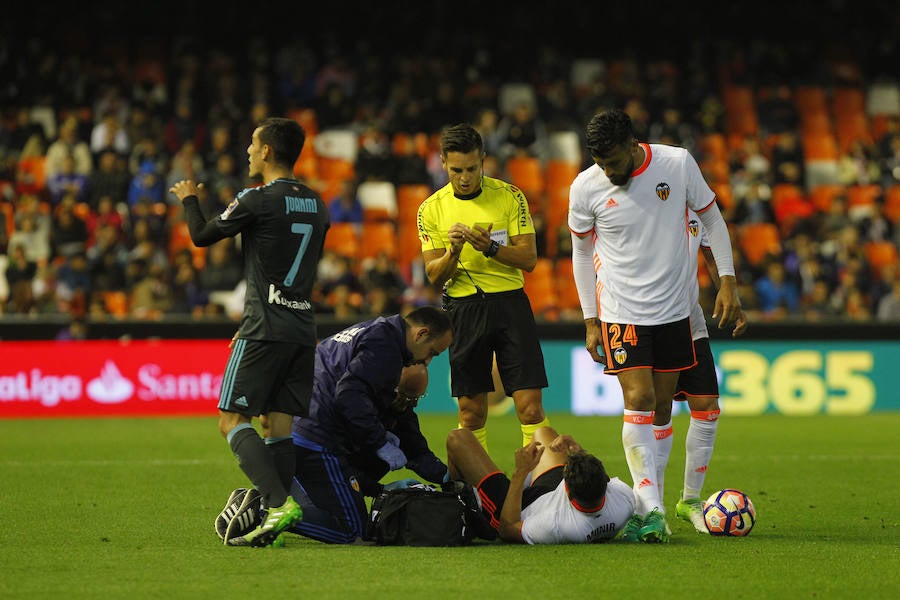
x=492, y=249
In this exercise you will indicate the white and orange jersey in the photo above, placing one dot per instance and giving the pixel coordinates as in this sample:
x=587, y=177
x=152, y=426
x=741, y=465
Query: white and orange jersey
x=641, y=253
x=696, y=239
x=551, y=518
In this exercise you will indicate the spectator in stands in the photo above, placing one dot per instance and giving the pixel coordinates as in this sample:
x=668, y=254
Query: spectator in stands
x=109, y=134
x=73, y=284
x=110, y=179
x=184, y=126
x=142, y=245
x=777, y=296
x=752, y=204
x=859, y=165
x=374, y=161
x=186, y=164
x=148, y=185
x=188, y=296
x=108, y=258
x=223, y=270
x=68, y=145
x=346, y=207
x=409, y=167
x=889, y=306
x=20, y=272
x=33, y=239
x=817, y=305
x=68, y=234
x=522, y=133
x=787, y=159
x=776, y=111
x=382, y=274
x=151, y=296
x=67, y=182
x=487, y=122
x=105, y=214
x=148, y=153
x=222, y=174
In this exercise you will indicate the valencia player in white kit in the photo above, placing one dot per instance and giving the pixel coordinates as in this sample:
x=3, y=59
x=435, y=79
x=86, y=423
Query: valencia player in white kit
x=631, y=262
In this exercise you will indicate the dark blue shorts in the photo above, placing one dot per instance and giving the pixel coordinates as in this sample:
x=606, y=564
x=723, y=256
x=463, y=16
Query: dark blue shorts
x=263, y=377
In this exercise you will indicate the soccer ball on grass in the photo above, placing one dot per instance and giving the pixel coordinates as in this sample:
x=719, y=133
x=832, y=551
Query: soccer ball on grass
x=729, y=512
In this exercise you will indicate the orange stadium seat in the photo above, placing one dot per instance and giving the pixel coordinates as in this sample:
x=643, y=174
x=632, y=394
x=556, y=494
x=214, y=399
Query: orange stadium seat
x=714, y=147
x=307, y=165
x=851, y=128
x=724, y=196
x=809, y=98
x=378, y=200
x=377, y=237
x=819, y=146
x=891, y=209
x=816, y=122
x=715, y=171
x=9, y=216
x=863, y=195
x=307, y=119
x=540, y=285
x=343, y=238
x=565, y=284
x=823, y=195
x=31, y=175
x=408, y=246
x=409, y=197
x=758, y=241
x=880, y=254
x=527, y=174
x=116, y=303
x=847, y=100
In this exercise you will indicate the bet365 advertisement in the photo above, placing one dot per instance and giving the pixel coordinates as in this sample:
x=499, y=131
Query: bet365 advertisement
x=182, y=377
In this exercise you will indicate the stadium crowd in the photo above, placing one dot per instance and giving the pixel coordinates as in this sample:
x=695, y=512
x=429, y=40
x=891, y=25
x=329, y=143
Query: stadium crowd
x=804, y=155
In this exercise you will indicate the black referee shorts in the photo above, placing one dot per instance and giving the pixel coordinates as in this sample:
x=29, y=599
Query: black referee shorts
x=488, y=324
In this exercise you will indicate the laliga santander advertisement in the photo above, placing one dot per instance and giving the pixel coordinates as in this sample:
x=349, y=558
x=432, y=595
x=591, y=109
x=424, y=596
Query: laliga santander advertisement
x=111, y=378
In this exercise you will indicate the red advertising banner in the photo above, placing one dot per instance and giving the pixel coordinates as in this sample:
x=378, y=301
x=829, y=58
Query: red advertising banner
x=111, y=378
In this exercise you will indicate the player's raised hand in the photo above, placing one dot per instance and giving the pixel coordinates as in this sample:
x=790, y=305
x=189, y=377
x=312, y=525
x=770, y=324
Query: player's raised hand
x=527, y=457
x=565, y=443
x=186, y=187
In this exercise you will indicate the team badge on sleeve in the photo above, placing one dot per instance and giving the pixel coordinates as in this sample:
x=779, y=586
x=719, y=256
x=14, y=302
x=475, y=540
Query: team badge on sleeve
x=694, y=227
x=230, y=208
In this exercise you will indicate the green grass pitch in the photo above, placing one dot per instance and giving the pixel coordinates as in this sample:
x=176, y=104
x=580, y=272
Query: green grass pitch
x=124, y=508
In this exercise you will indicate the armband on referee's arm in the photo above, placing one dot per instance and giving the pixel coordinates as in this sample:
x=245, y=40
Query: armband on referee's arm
x=492, y=249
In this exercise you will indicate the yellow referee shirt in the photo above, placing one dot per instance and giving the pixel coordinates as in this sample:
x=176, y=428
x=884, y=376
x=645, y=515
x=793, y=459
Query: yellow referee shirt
x=499, y=203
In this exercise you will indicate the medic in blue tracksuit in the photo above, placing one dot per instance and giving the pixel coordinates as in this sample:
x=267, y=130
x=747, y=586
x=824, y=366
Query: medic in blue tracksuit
x=355, y=403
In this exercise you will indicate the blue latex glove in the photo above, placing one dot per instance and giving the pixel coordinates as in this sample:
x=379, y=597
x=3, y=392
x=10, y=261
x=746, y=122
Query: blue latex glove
x=392, y=438
x=392, y=455
x=401, y=484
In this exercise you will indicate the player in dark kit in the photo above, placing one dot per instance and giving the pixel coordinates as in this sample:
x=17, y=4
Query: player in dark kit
x=355, y=414
x=283, y=224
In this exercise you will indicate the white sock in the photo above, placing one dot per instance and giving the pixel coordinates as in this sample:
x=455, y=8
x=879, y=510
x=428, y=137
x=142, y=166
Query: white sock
x=664, y=437
x=701, y=438
x=640, y=454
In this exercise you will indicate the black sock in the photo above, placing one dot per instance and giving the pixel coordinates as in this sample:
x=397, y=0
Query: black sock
x=285, y=460
x=256, y=462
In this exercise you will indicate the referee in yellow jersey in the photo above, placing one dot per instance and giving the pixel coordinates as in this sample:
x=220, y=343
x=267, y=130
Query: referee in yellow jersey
x=477, y=237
